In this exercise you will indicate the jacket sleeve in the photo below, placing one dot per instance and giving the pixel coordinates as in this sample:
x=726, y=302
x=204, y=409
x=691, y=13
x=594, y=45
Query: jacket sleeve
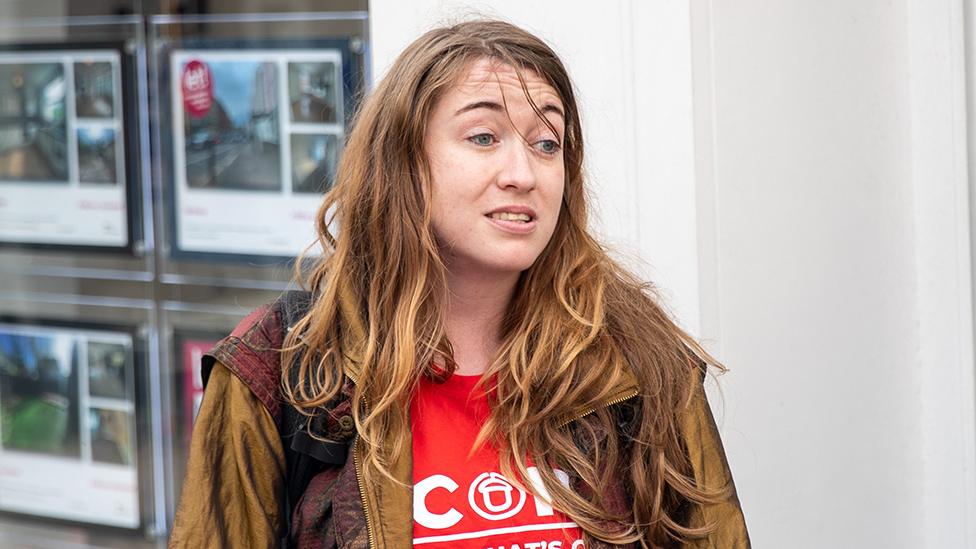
x=234, y=483
x=711, y=469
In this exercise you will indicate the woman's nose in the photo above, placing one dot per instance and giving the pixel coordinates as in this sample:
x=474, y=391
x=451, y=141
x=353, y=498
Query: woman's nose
x=518, y=170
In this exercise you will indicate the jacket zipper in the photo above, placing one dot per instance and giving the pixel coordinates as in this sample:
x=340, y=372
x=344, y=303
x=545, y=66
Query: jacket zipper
x=362, y=491
x=617, y=400
x=358, y=465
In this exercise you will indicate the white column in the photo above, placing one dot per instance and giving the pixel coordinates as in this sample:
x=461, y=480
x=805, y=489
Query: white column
x=943, y=265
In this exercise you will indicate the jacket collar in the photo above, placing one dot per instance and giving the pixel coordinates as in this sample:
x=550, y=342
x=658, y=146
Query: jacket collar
x=353, y=333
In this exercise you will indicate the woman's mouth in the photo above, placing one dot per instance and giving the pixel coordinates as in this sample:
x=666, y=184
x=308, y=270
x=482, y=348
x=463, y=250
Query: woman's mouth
x=516, y=223
x=508, y=216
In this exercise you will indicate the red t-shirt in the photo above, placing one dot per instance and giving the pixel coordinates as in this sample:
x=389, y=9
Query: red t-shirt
x=463, y=502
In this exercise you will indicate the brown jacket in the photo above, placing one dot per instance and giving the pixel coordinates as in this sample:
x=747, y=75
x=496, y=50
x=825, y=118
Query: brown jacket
x=235, y=478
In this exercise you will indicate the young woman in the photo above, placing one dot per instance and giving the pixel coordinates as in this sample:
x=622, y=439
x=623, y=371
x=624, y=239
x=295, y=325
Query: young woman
x=493, y=376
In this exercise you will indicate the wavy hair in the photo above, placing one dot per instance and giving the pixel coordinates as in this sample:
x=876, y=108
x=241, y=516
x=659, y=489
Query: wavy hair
x=578, y=322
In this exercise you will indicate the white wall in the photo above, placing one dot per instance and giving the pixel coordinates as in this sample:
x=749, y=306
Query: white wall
x=835, y=266
x=631, y=63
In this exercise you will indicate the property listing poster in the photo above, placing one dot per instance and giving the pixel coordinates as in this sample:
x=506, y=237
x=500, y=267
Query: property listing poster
x=256, y=137
x=189, y=347
x=68, y=424
x=62, y=149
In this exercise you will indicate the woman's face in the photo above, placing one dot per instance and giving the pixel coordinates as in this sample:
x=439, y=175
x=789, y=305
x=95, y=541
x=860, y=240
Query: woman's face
x=497, y=170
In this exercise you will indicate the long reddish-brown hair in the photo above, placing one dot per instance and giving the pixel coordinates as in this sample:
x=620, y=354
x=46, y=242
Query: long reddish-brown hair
x=578, y=322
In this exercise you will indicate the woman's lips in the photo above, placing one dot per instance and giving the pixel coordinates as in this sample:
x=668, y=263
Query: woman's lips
x=511, y=216
x=511, y=226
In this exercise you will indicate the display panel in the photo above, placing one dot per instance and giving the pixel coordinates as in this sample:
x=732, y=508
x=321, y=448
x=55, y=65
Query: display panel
x=256, y=135
x=68, y=424
x=66, y=147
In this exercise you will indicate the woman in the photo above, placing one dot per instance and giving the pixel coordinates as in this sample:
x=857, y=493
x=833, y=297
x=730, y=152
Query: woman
x=494, y=377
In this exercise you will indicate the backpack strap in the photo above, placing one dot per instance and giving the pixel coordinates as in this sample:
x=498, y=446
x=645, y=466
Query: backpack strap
x=253, y=353
x=311, y=443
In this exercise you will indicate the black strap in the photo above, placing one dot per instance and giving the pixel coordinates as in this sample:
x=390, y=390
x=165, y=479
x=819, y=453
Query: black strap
x=328, y=452
x=305, y=455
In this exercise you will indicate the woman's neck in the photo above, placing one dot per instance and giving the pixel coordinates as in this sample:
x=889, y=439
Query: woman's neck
x=476, y=306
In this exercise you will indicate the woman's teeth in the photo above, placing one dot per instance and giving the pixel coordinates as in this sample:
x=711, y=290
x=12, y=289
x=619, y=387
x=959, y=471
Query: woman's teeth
x=505, y=216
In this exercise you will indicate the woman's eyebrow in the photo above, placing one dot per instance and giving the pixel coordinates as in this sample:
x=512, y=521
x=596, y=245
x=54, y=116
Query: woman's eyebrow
x=497, y=107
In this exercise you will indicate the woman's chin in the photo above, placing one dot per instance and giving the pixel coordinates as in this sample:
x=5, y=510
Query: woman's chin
x=494, y=268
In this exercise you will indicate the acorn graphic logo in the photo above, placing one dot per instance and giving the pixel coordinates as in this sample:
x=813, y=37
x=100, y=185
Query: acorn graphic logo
x=493, y=497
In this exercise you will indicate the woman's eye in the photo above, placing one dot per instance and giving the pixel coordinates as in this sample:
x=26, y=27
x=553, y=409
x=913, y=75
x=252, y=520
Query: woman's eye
x=548, y=146
x=483, y=139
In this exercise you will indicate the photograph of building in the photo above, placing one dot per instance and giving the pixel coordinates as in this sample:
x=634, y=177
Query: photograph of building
x=94, y=90
x=313, y=162
x=33, y=133
x=96, y=155
x=236, y=144
x=312, y=92
x=38, y=393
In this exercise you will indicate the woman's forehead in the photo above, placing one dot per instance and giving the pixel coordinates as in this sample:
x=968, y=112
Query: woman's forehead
x=492, y=77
